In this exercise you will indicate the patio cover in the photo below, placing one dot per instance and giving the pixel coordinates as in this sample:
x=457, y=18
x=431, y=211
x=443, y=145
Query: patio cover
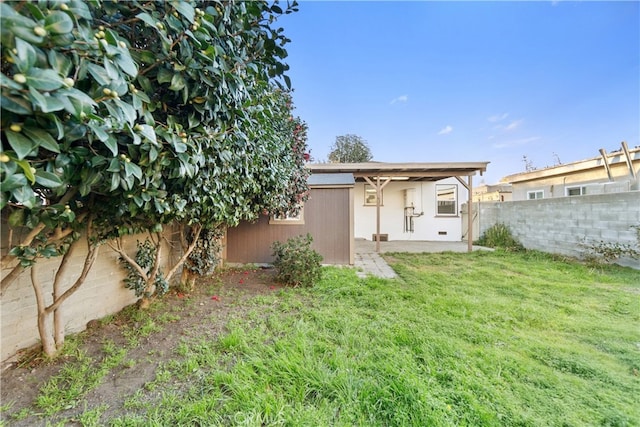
x=379, y=174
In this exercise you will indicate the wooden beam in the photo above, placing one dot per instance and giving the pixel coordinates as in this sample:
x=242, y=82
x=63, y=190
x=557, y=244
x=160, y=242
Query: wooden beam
x=378, y=188
x=378, y=197
x=464, y=183
x=627, y=157
x=469, y=214
x=416, y=174
x=352, y=243
x=605, y=161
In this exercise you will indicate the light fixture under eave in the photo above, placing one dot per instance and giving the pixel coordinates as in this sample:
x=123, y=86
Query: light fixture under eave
x=395, y=178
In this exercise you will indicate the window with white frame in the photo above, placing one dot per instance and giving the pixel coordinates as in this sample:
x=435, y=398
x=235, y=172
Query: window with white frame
x=371, y=196
x=575, y=191
x=446, y=199
x=290, y=218
x=536, y=194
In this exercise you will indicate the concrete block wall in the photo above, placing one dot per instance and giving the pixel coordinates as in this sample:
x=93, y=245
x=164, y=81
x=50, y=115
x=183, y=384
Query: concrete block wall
x=563, y=225
x=103, y=293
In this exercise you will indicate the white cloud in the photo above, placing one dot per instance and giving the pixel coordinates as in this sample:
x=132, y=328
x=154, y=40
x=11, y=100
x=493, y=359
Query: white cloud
x=446, y=130
x=498, y=117
x=516, y=142
x=513, y=125
x=402, y=98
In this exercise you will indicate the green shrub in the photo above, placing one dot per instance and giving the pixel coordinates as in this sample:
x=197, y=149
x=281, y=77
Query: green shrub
x=499, y=236
x=296, y=263
x=146, y=259
x=205, y=256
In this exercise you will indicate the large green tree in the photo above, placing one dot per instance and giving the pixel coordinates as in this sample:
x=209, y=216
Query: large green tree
x=121, y=117
x=350, y=149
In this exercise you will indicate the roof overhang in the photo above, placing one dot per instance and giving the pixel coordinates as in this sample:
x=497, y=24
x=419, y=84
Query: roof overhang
x=404, y=171
x=624, y=157
x=330, y=180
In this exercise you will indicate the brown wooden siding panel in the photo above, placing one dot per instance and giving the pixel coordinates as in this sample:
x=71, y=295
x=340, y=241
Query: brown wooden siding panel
x=326, y=217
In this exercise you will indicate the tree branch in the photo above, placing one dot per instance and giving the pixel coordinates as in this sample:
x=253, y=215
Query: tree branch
x=9, y=278
x=62, y=268
x=183, y=240
x=118, y=248
x=197, y=229
x=88, y=263
x=61, y=234
x=156, y=265
x=37, y=229
x=26, y=241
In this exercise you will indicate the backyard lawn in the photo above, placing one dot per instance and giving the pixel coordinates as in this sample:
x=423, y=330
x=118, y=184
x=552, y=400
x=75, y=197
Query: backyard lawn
x=481, y=339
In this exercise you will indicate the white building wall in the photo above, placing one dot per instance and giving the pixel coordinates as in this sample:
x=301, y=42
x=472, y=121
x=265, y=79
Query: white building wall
x=428, y=226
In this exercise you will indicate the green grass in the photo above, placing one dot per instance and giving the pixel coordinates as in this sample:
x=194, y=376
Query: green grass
x=481, y=339
x=68, y=388
x=461, y=339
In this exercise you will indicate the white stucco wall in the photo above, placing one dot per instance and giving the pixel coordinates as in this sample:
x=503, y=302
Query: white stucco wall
x=429, y=226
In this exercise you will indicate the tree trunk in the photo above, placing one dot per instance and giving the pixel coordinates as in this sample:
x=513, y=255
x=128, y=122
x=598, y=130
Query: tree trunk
x=48, y=344
x=53, y=340
x=150, y=277
x=58, y=328
x=188, y=279
x=145, y=303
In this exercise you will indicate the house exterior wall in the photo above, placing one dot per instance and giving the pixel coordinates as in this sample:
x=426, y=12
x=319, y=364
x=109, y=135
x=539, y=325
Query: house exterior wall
x=567, y=225
x=328, y=217
x=589, y=173
x=492, y=193
x=103, y=293
x=429, y=226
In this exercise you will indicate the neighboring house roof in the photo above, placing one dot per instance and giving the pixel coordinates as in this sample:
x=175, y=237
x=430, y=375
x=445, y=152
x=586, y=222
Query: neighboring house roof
x=409, y=171
x=330, y=179
x=500, y=188
x=602, y=162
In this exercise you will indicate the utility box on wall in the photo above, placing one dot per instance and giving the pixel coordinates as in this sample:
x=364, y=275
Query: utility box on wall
x=409, y=197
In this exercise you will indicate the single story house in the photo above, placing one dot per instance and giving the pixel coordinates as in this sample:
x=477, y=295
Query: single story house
x=395, y=201
x=613, y=172
x=408, y=201
x=492, y=193
x=348, y=201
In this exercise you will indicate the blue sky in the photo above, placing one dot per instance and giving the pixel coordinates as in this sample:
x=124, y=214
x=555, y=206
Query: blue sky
x=468, y=81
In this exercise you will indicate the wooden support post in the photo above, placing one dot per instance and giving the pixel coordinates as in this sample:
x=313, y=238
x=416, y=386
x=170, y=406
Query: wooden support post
x=470, y=215
x=627, y=158
x=378, y=188
x=605, y=161
x=378, y=196
x=469, y=186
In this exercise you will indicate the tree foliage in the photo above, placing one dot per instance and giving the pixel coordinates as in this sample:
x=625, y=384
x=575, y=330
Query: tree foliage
x=350, y=149
x=121, y=117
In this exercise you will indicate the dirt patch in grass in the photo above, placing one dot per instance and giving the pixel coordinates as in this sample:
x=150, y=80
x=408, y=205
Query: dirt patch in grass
x=150, y=340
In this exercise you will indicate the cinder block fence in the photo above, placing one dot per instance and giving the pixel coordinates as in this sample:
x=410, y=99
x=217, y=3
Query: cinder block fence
x=567, y=225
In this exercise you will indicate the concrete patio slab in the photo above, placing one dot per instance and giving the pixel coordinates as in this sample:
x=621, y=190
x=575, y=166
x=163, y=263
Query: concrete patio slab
x=371, y=263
